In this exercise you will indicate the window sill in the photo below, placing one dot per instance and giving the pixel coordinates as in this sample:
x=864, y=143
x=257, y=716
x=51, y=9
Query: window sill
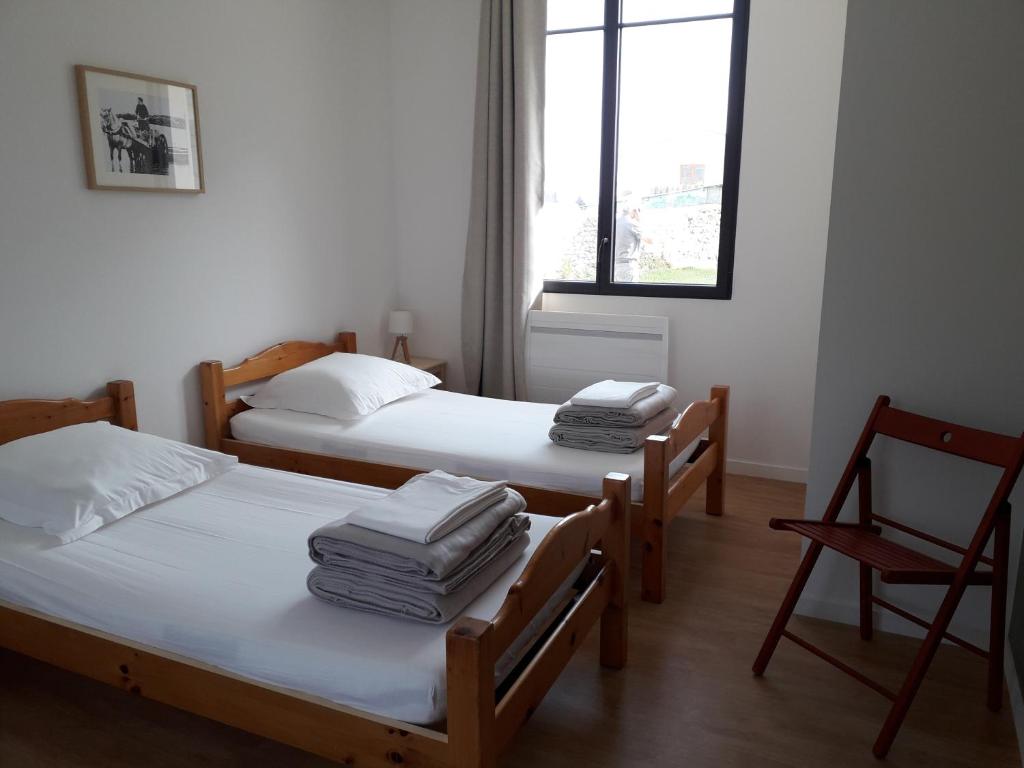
x=655, y=290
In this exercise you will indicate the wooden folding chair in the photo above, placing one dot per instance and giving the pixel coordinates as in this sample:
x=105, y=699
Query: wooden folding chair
x=898, y=564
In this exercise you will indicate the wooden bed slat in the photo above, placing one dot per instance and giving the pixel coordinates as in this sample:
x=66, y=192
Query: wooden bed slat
x=314, y=725
x=691, y=424
x=691, y=479
x=539, y=500
x=320, y=464
x=527, y=693
x=569, y=543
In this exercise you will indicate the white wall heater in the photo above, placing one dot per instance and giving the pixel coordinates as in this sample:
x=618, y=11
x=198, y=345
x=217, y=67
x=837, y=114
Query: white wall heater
x=566, y=351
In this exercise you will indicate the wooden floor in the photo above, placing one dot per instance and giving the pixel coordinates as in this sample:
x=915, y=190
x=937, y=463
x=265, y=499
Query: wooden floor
x=687, y=697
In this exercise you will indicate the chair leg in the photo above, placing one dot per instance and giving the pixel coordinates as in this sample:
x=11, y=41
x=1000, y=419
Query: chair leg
x=915, y=677
x=997, y=627
x=771, y=640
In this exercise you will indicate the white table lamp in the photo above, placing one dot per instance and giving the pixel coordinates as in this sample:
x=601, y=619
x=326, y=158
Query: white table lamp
x=400, y=324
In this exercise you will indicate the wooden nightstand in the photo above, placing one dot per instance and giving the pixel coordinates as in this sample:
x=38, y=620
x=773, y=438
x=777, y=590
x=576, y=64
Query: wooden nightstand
x=437, y=367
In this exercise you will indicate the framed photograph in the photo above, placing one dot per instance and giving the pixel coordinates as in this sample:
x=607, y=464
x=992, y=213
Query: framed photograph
x=139, y=133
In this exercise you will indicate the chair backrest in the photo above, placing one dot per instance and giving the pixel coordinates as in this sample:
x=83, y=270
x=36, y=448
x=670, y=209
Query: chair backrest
x=978, y=445
x=966, y=442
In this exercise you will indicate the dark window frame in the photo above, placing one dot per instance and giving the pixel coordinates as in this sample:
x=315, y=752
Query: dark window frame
x=604, y=285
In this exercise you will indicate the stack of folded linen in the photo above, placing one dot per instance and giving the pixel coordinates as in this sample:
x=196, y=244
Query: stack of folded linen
x=423, y=552
x=614, y=416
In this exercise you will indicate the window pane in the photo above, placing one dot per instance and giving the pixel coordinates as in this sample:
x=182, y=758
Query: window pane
x=570, y=14
x=672, y=117
x=566, y=239
x=652, y=10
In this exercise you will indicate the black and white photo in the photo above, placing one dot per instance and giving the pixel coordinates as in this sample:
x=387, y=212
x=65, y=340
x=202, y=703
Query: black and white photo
x=139, y=133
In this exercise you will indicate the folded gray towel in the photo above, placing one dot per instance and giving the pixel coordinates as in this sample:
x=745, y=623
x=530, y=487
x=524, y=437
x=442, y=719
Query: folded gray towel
x=363, y=592
x=341, y=543
x=635, y=416
x=380, y=569
x=610, y=439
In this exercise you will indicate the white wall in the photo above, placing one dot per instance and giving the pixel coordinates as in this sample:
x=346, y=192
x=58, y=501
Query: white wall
x=316, y=116
x=292, y=239
x=764, y=341
x=922, y=297
x=434, y=52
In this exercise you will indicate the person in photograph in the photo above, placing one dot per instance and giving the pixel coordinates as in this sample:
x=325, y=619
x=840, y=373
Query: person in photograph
x=142, y=118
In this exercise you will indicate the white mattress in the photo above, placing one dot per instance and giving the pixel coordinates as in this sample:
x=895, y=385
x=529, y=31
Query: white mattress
x=218, y=574
x=478, y=436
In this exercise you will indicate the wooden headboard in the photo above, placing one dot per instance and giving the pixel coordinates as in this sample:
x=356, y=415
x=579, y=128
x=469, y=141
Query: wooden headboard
x=216, y=379
x=21, y=418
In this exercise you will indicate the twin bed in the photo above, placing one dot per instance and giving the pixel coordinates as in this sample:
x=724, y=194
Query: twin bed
x=481, y=437
x=199, y=601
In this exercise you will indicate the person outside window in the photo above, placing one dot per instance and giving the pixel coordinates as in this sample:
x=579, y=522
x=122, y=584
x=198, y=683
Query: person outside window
x=627, y=244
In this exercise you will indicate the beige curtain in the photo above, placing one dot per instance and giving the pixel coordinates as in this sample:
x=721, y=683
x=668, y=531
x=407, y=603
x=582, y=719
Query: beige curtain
x=499, y=282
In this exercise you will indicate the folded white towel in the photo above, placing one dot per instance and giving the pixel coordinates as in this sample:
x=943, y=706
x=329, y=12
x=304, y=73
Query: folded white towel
x=636, y=415
x=428, y=506
x=614, y=394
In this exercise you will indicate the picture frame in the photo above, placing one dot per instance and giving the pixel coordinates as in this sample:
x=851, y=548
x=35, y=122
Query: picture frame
x=139, y=133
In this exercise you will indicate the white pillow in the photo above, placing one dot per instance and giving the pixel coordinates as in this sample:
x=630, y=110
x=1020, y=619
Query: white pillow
x=342, y=385
x=73, y=480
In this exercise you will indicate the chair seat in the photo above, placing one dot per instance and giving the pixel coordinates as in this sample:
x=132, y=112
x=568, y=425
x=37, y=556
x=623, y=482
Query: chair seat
x=896, y=563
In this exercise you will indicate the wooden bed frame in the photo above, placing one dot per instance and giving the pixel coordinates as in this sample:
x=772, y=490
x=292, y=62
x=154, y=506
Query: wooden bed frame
x=664, y=493
x=481, y=720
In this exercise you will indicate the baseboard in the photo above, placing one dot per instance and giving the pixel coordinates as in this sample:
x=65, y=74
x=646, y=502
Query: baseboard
x=769, y=471
x=1016, y=701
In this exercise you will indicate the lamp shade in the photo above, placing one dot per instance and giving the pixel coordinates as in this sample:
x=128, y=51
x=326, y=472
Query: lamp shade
x=400, y=322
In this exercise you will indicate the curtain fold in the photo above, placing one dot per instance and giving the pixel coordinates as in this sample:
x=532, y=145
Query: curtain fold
x=500, y=283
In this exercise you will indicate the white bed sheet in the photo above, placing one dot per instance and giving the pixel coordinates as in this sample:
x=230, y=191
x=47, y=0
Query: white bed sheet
x=218, y=574
x=465, y=435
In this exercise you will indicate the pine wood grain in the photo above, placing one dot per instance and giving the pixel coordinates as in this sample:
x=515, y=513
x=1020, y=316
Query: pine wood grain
x=686, y=698
x=343, y=734
x=650, y=518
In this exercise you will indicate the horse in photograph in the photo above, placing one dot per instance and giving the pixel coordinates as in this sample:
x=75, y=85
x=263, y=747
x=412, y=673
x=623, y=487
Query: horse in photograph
x=118, y=139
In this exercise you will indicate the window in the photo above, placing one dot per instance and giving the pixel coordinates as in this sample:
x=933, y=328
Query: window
x=642, y=131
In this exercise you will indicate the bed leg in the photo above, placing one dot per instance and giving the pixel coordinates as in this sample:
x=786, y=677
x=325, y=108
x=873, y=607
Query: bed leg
x=615, y=547
x=654, y=557
x=470, y=665
x=717, y=433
